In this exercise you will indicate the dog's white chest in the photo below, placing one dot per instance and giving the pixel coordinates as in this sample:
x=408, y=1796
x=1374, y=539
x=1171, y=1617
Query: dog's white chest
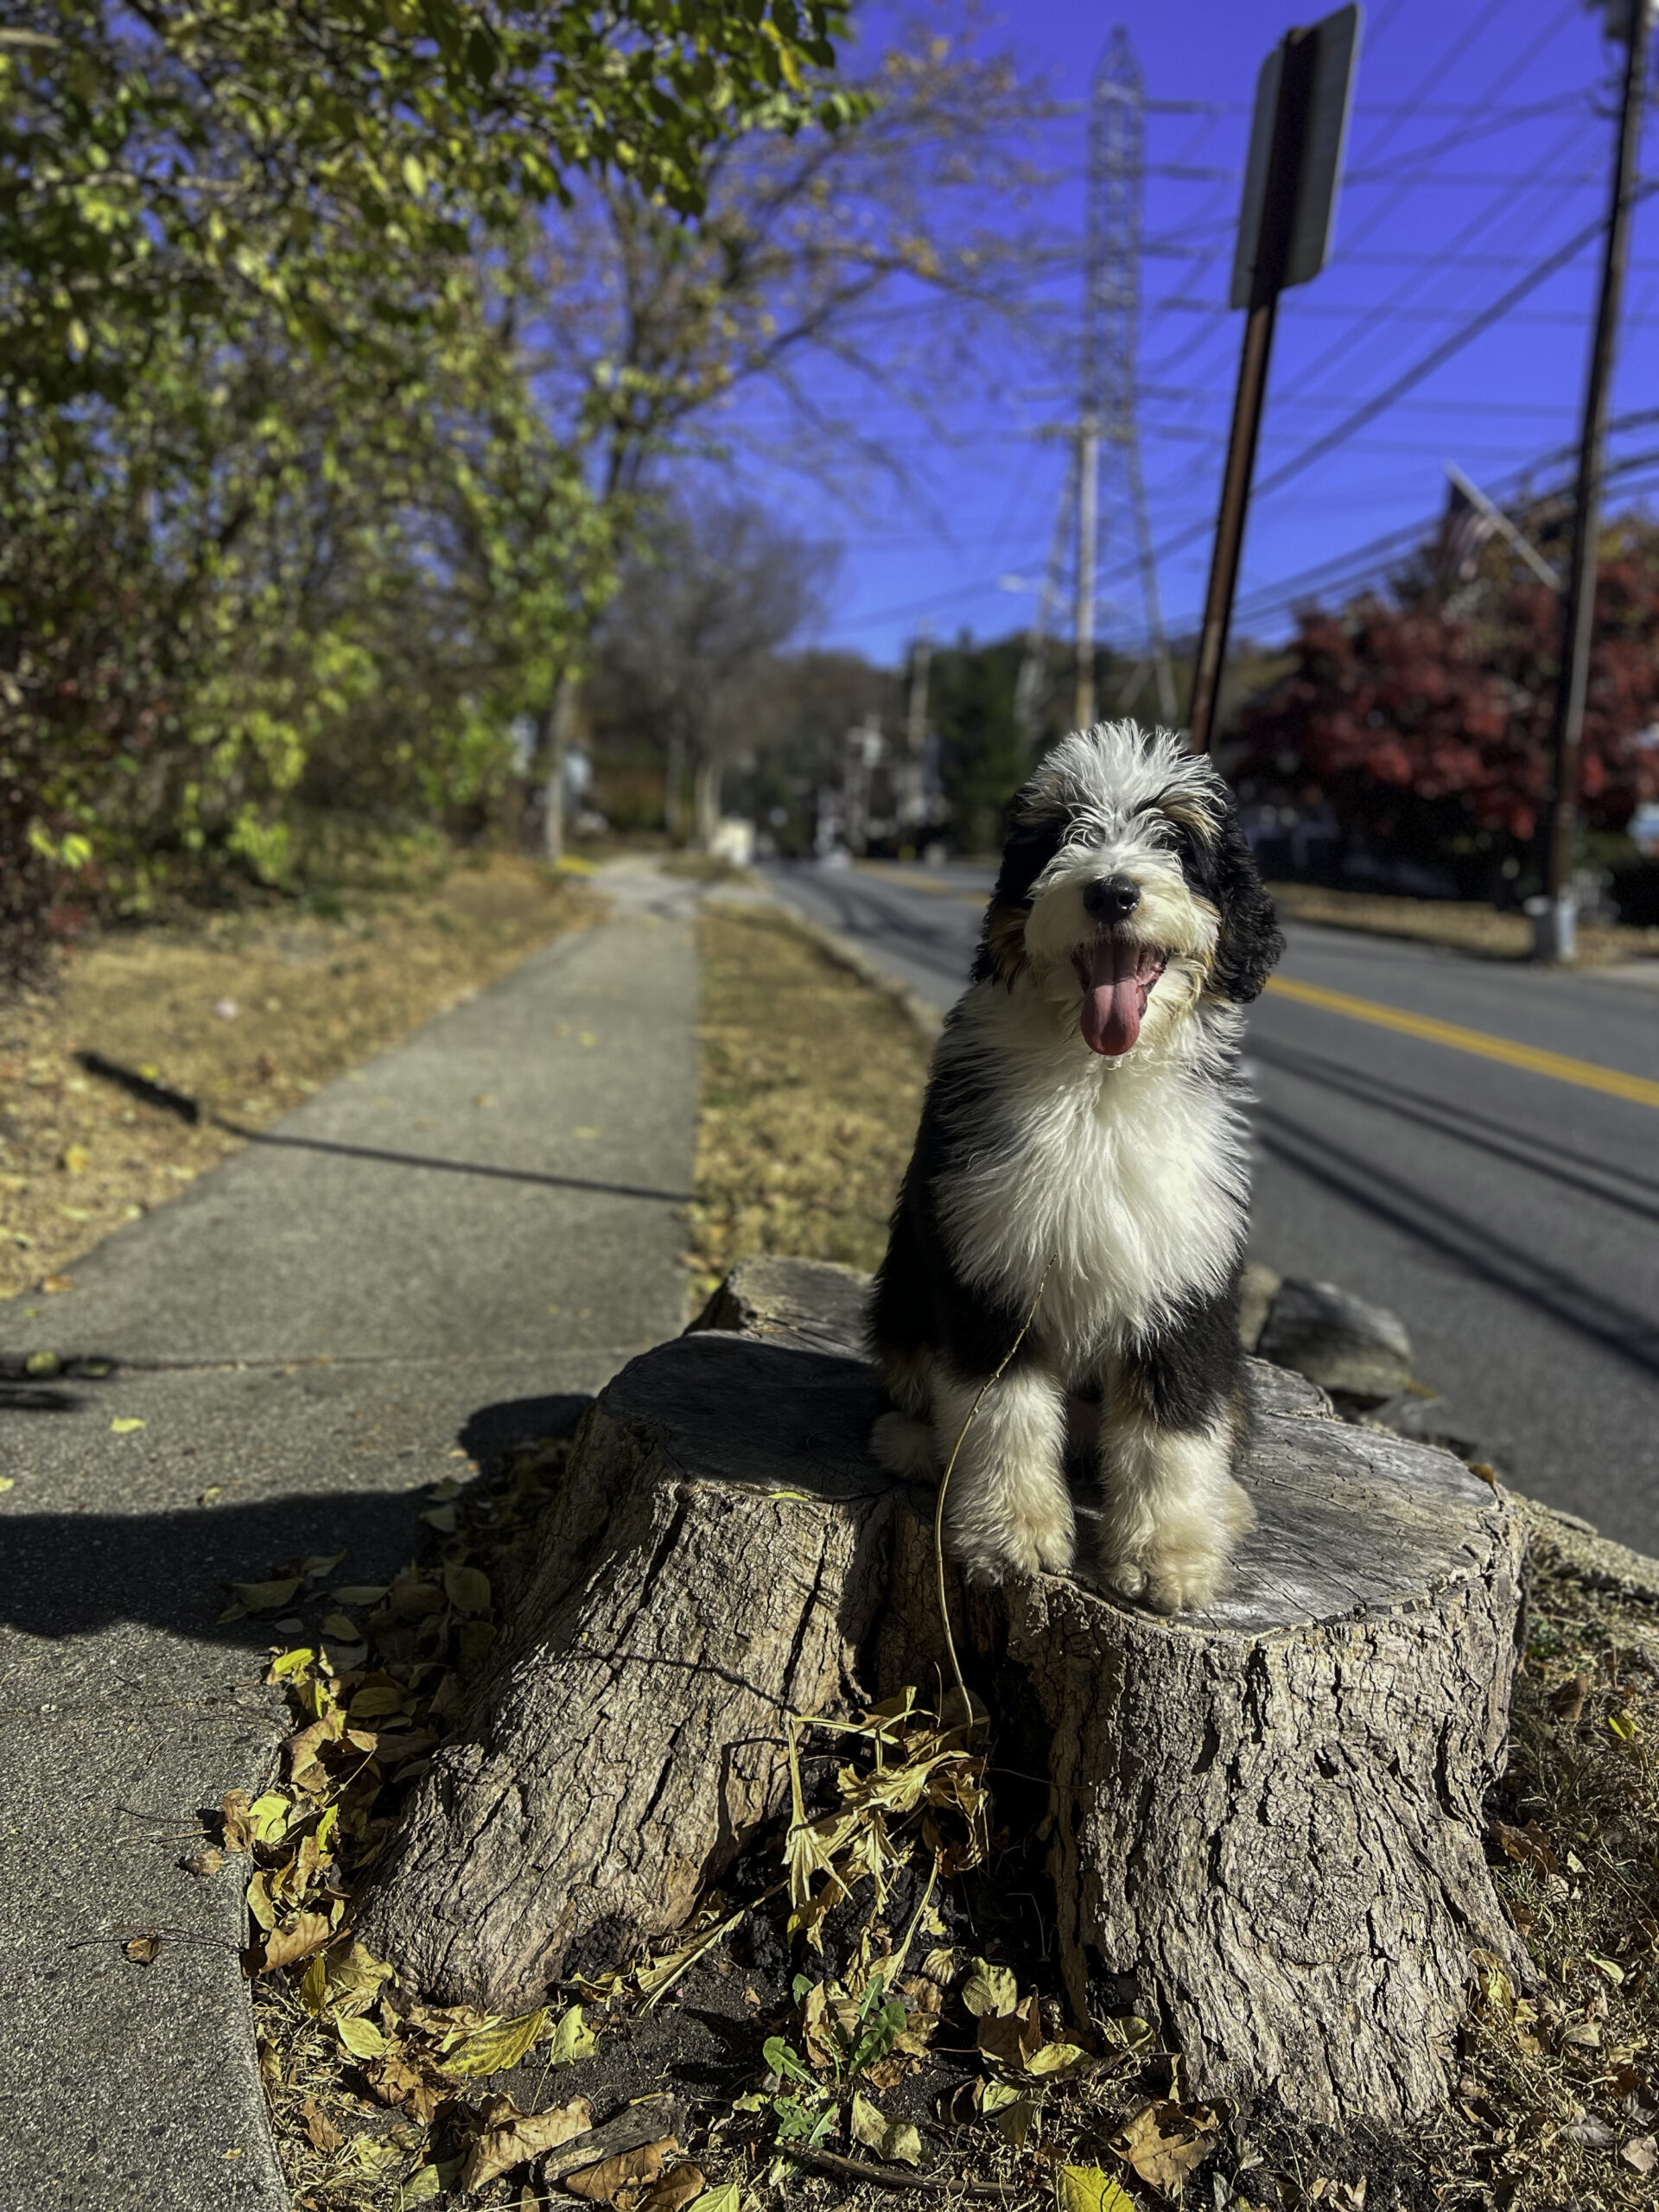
x=1127, y=1184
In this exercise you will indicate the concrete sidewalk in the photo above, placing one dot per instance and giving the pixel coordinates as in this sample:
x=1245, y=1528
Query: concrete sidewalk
x=450, y=1249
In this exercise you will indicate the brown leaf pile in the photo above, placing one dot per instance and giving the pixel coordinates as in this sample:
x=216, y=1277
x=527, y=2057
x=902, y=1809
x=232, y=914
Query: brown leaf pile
x=245, y=1014
x=810, y=1087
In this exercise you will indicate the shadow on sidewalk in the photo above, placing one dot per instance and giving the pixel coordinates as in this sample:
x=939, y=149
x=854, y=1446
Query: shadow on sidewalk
x=69, y=1574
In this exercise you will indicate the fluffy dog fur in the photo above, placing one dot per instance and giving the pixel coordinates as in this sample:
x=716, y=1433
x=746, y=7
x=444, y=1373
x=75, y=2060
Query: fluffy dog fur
x=1083, y=1117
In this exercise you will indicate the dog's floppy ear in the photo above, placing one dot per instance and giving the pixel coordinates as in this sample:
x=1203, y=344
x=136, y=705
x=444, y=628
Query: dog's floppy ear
x=1032, y=842
x=1251, y=940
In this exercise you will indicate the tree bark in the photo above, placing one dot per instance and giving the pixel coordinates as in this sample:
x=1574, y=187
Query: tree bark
x=1265, y=1817
x=561, y=719
x=706, y=778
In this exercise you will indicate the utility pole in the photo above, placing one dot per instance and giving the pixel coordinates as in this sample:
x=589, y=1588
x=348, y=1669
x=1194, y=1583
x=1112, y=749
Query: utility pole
x=1028, y=685
x=1631, y=21
x=914, y=806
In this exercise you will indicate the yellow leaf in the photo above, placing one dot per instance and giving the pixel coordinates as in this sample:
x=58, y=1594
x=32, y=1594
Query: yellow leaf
x=259, y=1903
x=467, y=1589
x=1054, y=2058
x=991, y=1990
x=123, y=1425
x=869, y=2126
x=493, y=2048
x=1087, y=2188
x=267, y=1816
x=313, y=1987
x=290, y=1663
x=336, y=1624
x=571, y=2040
x=361, y=2038
x=8, y=1482
x=442, y=1518
x=74, y=1159
x=728, y=2197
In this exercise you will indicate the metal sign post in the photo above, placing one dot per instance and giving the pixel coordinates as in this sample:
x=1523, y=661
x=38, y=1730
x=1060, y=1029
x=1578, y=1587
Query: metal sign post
x=1302, y=98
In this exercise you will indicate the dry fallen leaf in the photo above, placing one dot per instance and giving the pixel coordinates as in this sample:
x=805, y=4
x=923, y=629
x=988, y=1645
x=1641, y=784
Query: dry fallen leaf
x=362, y=2038
x=1567, y=1699
x=1166, y=2141
x=238, y=1829
x=989, y=1990
x=324, y=2135
x=495, y=2047
x=268, y=1597
x=511, y=2137
x=467, y=1589
x=1642, y=2154
x=604, y=2183
x=1014, y=2040
x=203, y=1862
x=1527, y=1847
x=296, y=1939
x=675, y=2190
x=143, y=1949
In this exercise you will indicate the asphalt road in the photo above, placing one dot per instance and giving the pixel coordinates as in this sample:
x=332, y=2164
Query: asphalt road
x=1510, y=1215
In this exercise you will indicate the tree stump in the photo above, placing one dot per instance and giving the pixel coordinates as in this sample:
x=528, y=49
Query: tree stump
x=1267, y=1816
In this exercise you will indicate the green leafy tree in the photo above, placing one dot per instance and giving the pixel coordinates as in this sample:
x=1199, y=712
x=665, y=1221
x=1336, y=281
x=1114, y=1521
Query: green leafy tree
x=272, y=484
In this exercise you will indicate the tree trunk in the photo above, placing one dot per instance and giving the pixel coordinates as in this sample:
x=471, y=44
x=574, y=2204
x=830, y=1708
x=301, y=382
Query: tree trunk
x=1265, y=1817
x=560, y=721
x=705, y=802
x=673, y=782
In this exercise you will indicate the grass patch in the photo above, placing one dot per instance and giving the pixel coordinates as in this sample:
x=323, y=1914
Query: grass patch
x=810, y=1087
x=247, y=1015
x=1462, y=925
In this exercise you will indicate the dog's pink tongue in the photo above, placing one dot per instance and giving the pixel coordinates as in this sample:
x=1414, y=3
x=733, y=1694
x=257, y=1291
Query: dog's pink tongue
x=1111, y=1000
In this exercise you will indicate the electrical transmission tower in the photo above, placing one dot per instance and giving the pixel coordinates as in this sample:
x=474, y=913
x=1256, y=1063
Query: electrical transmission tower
x=1106, y=424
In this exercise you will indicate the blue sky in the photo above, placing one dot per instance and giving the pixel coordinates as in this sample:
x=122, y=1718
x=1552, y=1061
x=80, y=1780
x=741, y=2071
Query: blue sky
x=1481, y=142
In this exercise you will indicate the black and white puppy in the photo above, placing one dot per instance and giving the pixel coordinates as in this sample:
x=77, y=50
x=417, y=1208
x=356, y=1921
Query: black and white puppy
x=1082, y=1131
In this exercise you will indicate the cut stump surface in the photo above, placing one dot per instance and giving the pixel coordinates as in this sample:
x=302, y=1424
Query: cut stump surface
x=1265, y=1817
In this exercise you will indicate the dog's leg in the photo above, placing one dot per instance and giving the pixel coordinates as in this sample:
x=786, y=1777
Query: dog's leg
x=1172, y=1513
x=1008, y=1510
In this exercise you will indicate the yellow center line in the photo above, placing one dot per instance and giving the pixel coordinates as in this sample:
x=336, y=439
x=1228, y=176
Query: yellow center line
x=1585, y=1073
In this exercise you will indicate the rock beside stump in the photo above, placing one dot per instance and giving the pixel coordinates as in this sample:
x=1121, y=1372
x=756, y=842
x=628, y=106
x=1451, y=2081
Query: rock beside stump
x=1265, y=1817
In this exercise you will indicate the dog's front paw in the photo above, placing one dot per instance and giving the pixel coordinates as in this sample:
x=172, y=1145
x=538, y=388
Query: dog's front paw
x=1167, y=1581
x=1030, y=1544
x=1179, y=1566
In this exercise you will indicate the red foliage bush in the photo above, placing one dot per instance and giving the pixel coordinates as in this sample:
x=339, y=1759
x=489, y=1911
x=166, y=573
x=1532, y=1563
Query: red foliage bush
x=1427, y=734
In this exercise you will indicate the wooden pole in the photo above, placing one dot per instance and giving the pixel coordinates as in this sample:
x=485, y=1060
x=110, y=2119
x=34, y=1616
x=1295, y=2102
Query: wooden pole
x=1577, y=620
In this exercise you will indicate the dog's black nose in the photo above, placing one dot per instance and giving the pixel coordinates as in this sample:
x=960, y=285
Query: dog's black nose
x=1114, y=900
